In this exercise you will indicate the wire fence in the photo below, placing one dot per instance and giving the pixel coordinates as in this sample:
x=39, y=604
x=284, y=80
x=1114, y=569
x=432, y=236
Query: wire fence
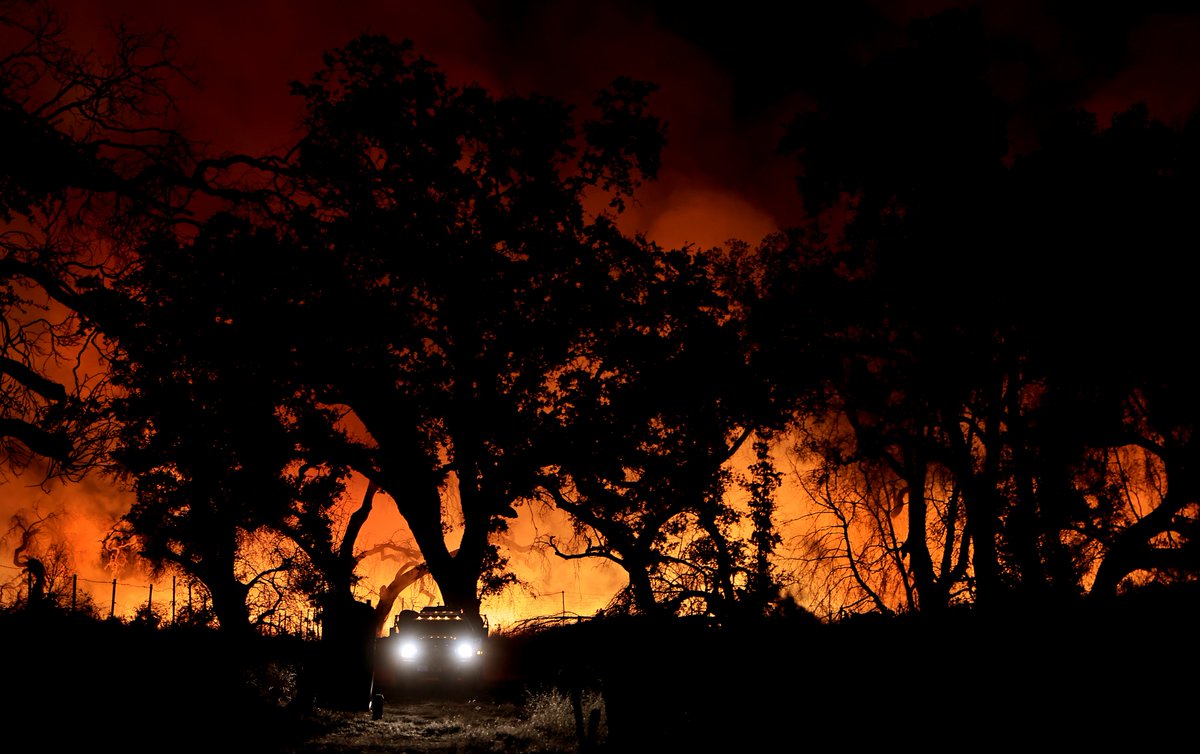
x=164, y=603
x=178, y=600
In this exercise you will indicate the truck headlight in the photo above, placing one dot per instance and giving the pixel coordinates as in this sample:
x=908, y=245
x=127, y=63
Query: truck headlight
x=465, y=650
x=408, y=650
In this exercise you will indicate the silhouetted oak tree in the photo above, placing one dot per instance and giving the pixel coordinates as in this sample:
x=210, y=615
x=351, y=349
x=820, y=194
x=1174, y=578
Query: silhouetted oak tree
x=1110, y=445
x=83, y=141
x=997, y=322
x=427, y=270
x=239, y=475
x=650, y=420
x=206, y=437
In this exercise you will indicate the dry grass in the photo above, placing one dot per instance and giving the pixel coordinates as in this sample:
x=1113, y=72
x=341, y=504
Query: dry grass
x=542, y=722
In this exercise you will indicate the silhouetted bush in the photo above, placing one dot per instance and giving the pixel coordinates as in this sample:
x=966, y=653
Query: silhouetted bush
x=1068, y=677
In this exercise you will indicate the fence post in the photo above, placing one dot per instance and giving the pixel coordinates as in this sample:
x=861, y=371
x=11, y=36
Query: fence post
x=112, y=608
x=150, y=604
x=74, y=589
x=172, y=598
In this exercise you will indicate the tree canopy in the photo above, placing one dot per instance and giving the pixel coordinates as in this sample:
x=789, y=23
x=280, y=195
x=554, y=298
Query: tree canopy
x=976, y=354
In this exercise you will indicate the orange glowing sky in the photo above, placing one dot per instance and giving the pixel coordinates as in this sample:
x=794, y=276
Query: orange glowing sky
x=730, y=77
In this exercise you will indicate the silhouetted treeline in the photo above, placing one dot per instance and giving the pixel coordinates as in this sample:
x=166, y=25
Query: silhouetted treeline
x=1001, y=334
x=1078, y=677
x=1081, y=677
x=75, y=681
x=978, y=356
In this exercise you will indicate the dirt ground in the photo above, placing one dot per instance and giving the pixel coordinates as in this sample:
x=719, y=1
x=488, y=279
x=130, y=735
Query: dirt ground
x=492, y=719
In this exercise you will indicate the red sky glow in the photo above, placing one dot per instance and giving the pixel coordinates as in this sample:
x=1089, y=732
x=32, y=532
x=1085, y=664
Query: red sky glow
x=727, y=86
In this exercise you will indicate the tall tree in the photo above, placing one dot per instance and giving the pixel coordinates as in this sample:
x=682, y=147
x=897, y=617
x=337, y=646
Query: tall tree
x=1116, y=202
x=202, y=440
x=984, y=351
x=651, y=418
x=456, y=257
x=424, y=269
x=239, y=476
x=83, y=141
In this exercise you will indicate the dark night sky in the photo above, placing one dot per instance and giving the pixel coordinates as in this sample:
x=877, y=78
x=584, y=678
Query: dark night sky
x=730, y=75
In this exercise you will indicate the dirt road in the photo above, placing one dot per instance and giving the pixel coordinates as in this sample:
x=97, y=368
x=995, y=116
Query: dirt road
x=494, y=719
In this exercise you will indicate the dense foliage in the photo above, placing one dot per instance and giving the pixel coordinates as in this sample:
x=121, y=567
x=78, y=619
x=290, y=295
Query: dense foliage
x=975, y=354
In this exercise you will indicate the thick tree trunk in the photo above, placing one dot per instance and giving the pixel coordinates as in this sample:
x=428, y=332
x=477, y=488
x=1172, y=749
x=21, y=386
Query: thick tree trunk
x=637, y=567
x=985, y=560
x=455, y=573
x=346, y=654
x=229, y=605
x=920, y=563
x=1132, y=550
x=388, y=593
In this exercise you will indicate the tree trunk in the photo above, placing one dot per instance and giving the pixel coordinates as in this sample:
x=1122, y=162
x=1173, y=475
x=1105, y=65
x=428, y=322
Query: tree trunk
x=346, y=653
x=920, y=563
x=229, y=605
